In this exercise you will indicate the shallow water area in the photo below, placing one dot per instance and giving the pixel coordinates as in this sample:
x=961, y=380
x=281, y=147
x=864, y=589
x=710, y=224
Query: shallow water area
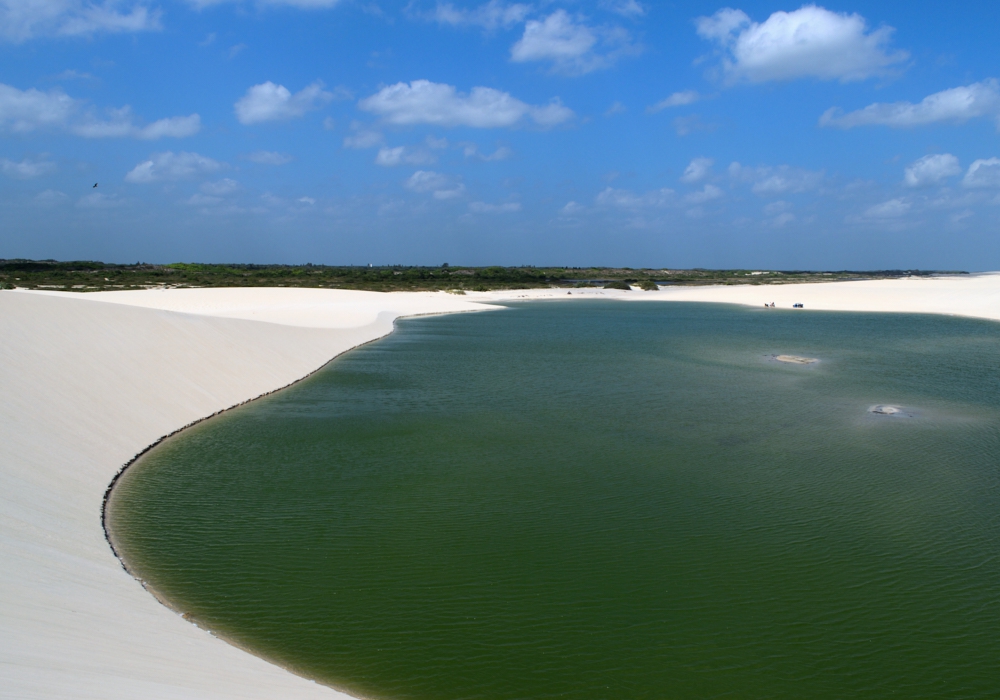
x=600, y=499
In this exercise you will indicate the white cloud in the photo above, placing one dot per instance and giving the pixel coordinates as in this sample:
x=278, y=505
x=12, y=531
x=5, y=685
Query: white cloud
x=983, y=173
x=27, y=169
x=570, y=45
x=24, y=111
x=767, y=180
x=174, y=127
x=121, y=125
x=954, y=105
x=436, y=144
x=490, y=16
x=625, y=8
x=678, y=99
x=810, y=42
x=70, y=74
x=300, y=4
x=401, y=155
x=691, y=124
x=172, y=166
x=892, y=209
x=441, y=186
x=21, y=20
x=706, y=194
x=471, y=150
x=309, y=201
x=269, y=102
x=777, y=207
x=931, y=170
x=49, y=197
x=363, y=137
x=220, y=188
x=571, y=209
x=624, y=199
x=697, y=169
x=269, y=158
x=782, y=219
x=615, y=108
x=485, y=208
x=424, y=102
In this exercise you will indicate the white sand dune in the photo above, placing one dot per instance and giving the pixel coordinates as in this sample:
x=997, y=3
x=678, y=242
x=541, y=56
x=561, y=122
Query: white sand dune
x=90, y=380
x=86, y=385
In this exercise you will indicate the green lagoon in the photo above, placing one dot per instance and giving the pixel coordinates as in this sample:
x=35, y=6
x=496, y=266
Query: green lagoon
x=596, y=500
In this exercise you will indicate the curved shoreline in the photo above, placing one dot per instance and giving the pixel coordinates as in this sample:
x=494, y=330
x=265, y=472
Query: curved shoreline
x=152, y=590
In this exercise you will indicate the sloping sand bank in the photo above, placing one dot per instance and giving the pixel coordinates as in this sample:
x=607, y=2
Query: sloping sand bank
x=86, y=385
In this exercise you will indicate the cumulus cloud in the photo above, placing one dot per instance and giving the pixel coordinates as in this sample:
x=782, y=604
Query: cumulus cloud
x=691, y=124
x=440, y=186
x=220, y=188
x=27, y=169
x=172, y=166
x=471, y=150
x=811, y=42
x=401, y=155
x=678, y=99
x=21, y=20
x=891, y=209
x=625, y=8
x=930, y=170
x=121, y=125
x=24, y=111
x=269, y=158
x=424, y=102
x=268, y=102
x=50, y=197
x=624, y=199
x=771, y=180
x=571, y=208
x=490, y=16
x=485, y=208
x=362, y=137
x=300, y=4
x=983, y=173
x=697, y=169
x=955, y=105
x=706, y=194
x=572, y=47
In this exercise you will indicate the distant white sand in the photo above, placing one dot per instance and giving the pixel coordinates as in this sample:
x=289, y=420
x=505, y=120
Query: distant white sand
x=90, y=380
x=977, y=296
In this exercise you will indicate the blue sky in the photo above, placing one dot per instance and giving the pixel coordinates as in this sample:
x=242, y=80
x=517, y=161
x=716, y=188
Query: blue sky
x=620, y=132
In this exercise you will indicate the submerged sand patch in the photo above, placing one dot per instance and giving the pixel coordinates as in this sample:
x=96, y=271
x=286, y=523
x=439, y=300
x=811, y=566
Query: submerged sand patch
x=883, y=409
x=795, y=359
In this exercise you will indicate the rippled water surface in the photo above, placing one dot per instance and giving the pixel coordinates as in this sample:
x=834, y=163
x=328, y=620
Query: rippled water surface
x=602, y=500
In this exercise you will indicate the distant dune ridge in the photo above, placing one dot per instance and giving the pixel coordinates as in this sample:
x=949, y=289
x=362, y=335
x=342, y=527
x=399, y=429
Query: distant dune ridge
x=91, y=380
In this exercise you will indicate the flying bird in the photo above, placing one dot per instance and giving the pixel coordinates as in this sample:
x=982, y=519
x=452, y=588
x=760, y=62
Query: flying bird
x=95, y=185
